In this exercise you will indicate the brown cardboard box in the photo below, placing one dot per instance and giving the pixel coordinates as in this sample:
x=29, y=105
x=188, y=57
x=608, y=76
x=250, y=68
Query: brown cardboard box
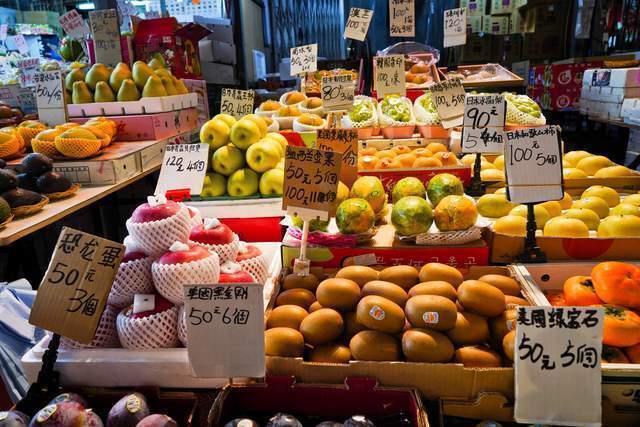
x=506, y=49
x=477, y=49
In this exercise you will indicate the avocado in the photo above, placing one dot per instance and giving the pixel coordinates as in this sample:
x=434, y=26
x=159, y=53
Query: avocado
x=27, y=182
x=20, y=197
x=8, y=179
x=5, y=210
x=53, y=182
x=3, y=164
x=35, y=164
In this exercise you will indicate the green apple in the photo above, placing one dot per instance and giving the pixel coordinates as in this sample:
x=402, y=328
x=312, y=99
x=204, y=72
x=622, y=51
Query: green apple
x=244, y=133
x=215, y=132
x=215, y=185
x=242, y=183
x=262, y=156
x=226, y=160
x=274, y=143
x=272, y=182
x=282, y=140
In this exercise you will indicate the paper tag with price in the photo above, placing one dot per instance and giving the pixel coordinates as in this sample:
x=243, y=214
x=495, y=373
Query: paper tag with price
x=533, y=165
x=183, y=167
x=237, y=102
x=389, y=77
x=304, y=59
x=483, y=124
x=455, y=27
x=28, y=68
x=402, y=21
x=106, y=36
x=310, y=182
x=337, y=92
x=50, y=97
x=73, y=293
x=345, y=142
x=357, y=24
x=74, y=25
x=557, y=353
x=21, y=44
x=448, y=97
x=225, y=330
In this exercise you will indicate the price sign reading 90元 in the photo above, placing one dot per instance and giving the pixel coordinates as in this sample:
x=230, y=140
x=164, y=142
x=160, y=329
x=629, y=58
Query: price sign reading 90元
x=237, y=102
x=483, y=124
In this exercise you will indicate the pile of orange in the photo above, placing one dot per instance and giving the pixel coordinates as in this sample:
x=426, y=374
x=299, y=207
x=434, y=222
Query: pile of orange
x=434, y=155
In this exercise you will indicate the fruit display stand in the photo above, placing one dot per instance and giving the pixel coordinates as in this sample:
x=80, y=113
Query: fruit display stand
x=159, y=104
x=502, y=77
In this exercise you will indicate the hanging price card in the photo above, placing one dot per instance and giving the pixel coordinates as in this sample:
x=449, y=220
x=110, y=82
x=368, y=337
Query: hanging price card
x=225, y=330
x=28, y=68
x=52, y=109
x=337, y=92
x=237, y=102
x=345, y=142
x=106, y=36
x=73, y=293
x=483, y=124
x=183, y=168
x=557, y=355
x=402, y=21
x=358, y=23
x=533, y=165
x=455, y=27
x=304, y=59
x=21, y=44
x=389, y=75
x=448, y=97
x=310, y=182
x=73, y=24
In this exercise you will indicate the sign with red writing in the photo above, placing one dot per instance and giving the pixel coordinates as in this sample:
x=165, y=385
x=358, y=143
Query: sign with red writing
x=74, y=24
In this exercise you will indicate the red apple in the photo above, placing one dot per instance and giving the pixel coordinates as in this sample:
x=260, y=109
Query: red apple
x=217, y=235
x=133, y=255
x=182, y=253
x=239, y=277
x=155, y=212
x=161, y=305
x=251, y=252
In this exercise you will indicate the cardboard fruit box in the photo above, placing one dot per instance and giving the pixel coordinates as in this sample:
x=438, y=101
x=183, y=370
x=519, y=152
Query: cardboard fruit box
x=159, y=104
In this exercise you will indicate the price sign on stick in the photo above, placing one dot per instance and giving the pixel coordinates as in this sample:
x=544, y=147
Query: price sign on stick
x=483, y=124
x=304, y=59
x=345, y=142
x=455, y=27
x=337, y=92
x=106, y=36
x=74, y=24
x=448, y=97
x=52, y=108
x=28, y=68
x=402, y=21
x=183, y=168
x=225, y=330
x=533, y=165
x=358, y=23
x=557, y=354
x=237, y=102
x=389, y=75
x=73, y=293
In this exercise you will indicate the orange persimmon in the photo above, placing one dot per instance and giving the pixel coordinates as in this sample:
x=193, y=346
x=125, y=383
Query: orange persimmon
x=579, y=290
x=614, y=355
x=556, y=299
x=621, y=326
x=633, y=353
x=617, y=283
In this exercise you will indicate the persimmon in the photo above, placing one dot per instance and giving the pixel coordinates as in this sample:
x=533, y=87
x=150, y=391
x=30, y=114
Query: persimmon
x=579, y=290
x=556, y=299
x=614, y=355
x=617, y=283
x=621, y=326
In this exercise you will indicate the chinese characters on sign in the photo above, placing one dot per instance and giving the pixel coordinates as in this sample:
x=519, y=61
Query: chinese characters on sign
x=337, y=92
x=389, y=75
x=358, y=23
x=557, y=353
x=483, y=124
x=74, y=25
x=237, y=102
x=402, y=18
x=50, y=97
x=448, y=97
x=28, y=68
x=310, y=181
x=225, y=330
x=304, y=59
x=533, y=164
x=455, y=27
x=21, y=44
x=345, y=142
x=74, y=290
x=183, y=168
x=106, y=36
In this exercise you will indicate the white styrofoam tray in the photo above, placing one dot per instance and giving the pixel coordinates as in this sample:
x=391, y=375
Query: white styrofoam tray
x=160, y=104
x=247, y=208
x=117, y=367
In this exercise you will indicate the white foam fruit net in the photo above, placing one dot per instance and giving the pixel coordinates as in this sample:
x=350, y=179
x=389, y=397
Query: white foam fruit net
x=182, y=327
x=424, y=116
x=159, y=330
x=450, y=238
x=517, y=117
x=106, y=335
x=169, y=279
x=226, y=252
x=133, y=277
x=196, y=219
x=156, y=237
x=370, y=104
x=386, y=121
x=258, y=267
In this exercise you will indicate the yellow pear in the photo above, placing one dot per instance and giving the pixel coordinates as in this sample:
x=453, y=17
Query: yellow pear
x=81, y=93
x=104, y=93
x=119, y=74
x=153, y=88
x=97, y=73
x=168, y=86
x=180, y=86
x=141, y=72
x=128, y=91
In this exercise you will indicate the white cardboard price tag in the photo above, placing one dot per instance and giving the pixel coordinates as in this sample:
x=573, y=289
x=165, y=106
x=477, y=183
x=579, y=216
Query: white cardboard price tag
x=237, y=102
x=557, y=366
x=358, y=23
x=225, y=330
x=304, y=59
x=21, y=44
x=183, y=167
x=28, y=68
x=106, y=36
x=74, y=24
x=455, y=27
x=402, y=22
x=483, y=124
x=389, y=75
x=448, y=97
x=50, y=97
x=533, y=164
x=337, y=92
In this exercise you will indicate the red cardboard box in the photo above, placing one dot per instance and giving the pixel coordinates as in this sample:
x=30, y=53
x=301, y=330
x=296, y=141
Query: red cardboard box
x=176, y=44
x=557, y=87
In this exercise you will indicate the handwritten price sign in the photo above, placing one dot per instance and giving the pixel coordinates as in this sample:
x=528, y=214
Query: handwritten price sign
x=345, y=142
x=50, y=97
x=389, y=75
x=73, y=293
x=358, y=23
x=106, y=36
x=74, y=25
x=237, y=102
x=448, y=97
x=304, y=59
x=337, y=92
x=455, y=27
x=183, y=167
x=483, y=125
x=402, y=18
x=28, y=68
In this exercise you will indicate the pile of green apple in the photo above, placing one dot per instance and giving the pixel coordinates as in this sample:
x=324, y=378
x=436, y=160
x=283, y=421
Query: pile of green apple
x=246, y=160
